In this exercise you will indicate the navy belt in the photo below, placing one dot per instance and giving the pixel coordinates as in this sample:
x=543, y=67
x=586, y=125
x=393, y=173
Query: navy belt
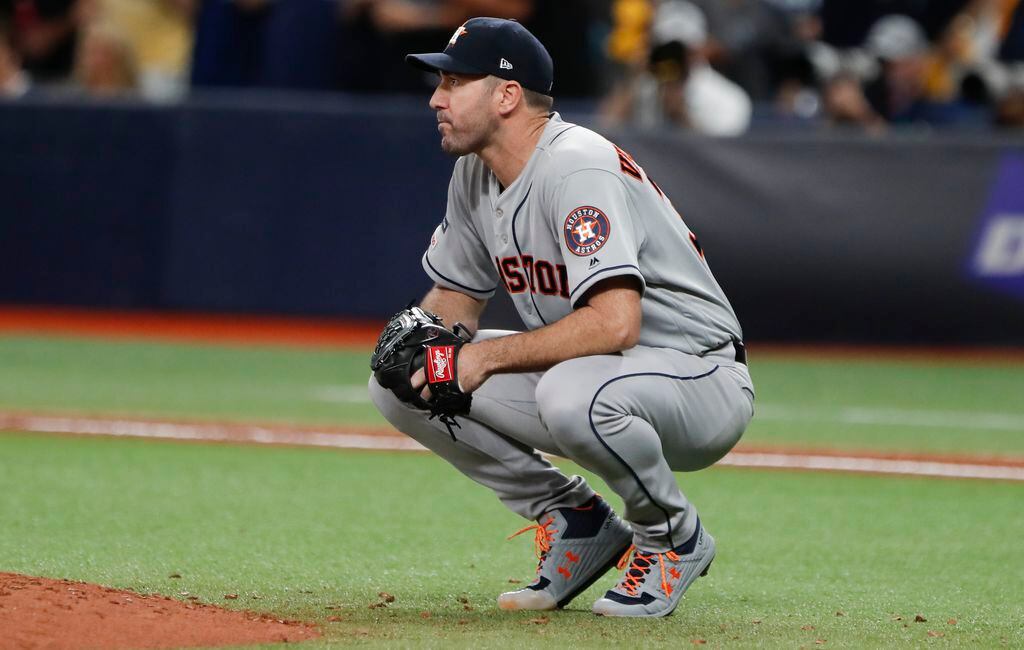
x=741, y=350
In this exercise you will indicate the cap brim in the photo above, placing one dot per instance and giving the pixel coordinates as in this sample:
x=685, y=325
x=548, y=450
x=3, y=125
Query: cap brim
x=440, y=62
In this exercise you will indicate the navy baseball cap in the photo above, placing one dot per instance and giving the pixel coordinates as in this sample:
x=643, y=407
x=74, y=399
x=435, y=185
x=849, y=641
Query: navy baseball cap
x=493, y=46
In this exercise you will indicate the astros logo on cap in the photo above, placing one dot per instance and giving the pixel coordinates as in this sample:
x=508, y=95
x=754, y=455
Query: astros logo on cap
x=586, y=230
x=458, y=32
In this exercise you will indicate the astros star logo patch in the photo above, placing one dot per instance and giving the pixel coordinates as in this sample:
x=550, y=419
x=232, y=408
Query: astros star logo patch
x=586, y=230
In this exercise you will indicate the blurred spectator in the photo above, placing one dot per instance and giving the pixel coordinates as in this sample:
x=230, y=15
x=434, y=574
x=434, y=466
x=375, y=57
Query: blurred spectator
x=627, y=49
x=1010, y=110
x=845, y=105
x=677, y=85
x=575, y=33
x=697, y=64
x=630, y=21
x=907, y=79
x=44, y=33
x=846, y=23
x=901, y=47
x=267, y=43
x=106, y=64
x=901, y=92
x=160, y=32
x=751, y=42
x=795, y=77
x=384, y=31
x=14, y=83
x=954, y=78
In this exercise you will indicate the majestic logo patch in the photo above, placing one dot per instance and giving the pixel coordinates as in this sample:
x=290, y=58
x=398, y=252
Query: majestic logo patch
x=458, y=32
x=586, y=230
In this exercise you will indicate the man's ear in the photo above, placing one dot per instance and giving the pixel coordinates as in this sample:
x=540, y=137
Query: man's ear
x=511, y=96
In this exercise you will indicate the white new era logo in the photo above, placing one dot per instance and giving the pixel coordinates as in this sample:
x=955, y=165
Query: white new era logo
x=505, y=65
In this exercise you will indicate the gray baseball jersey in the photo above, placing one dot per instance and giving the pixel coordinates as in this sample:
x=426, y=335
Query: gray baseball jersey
x=581, y=211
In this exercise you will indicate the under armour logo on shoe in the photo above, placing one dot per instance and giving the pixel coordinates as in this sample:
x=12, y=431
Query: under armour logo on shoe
x=565, y=572
x=505, y=65
x=572, y=557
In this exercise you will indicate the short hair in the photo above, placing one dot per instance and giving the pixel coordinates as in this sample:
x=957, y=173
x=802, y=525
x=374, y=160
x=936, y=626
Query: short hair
x=535, y=100
x=538, y=100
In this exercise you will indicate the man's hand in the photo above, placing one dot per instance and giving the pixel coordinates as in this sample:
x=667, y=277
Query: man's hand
x=472, y=372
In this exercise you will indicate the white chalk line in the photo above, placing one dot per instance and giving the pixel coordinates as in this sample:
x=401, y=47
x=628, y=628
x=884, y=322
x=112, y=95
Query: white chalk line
x=342, y=440
x=872, y=465
x=211, y=432
x=858, y=415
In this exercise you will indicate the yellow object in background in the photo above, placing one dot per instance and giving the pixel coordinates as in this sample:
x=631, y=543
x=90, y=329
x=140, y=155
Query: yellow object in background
x=631, y=21
x=159, y=32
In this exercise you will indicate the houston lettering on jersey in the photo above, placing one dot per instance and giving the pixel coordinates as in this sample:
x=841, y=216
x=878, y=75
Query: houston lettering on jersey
x=520, y=274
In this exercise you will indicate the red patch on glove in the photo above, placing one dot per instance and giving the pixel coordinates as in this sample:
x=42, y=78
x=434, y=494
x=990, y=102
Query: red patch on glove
x=440, y=363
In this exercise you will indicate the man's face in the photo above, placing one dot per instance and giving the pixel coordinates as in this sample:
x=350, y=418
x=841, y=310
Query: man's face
x=465, y=114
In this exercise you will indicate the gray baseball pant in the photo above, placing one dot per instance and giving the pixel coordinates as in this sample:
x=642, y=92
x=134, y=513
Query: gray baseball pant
x=631, y=418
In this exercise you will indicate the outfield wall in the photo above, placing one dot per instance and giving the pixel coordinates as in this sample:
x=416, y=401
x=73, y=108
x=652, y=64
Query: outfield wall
x=322, y=206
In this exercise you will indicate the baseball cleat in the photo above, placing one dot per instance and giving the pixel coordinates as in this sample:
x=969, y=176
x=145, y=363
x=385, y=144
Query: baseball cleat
x=575, y=547
x=654, y=583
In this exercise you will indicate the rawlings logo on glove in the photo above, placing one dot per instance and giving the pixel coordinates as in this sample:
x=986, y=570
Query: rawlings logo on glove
x=414, y=339
x=440, y=359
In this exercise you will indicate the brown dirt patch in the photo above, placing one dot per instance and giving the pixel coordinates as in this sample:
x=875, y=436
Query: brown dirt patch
x=247, y=329
x=192, y=328
x=61, y=614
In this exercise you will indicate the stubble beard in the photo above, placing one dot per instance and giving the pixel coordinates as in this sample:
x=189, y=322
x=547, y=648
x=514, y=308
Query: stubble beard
x=464, y=143
x=470, y=139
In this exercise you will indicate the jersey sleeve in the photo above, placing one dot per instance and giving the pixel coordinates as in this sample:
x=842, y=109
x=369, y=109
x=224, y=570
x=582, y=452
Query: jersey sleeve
x=457, y=258
x=597, y=231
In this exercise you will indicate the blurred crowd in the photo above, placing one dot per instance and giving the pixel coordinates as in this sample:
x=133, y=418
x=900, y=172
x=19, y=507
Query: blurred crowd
x=712, y=66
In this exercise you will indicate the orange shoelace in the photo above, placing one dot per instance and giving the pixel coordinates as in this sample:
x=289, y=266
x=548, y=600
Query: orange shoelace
x=642, y=564
x=541, y=539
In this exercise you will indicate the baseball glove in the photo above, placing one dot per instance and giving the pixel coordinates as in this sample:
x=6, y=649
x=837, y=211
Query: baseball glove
x=415, y=338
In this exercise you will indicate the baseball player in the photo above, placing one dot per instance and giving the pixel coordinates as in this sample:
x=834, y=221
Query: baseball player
x=632, y=365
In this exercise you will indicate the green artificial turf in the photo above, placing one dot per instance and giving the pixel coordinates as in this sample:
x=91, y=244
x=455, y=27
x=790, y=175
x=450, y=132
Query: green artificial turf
x=890, y=405
x=186, y=381
x=296, y=531
x=847, y=404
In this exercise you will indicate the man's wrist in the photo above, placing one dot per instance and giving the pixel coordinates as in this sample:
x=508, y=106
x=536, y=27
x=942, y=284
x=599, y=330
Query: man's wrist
x=481, y=361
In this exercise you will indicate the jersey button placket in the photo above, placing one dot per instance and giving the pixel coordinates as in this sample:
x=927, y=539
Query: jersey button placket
x=498, y=214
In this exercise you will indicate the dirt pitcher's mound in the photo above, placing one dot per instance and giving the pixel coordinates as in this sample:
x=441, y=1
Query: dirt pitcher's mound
x=61, y=614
